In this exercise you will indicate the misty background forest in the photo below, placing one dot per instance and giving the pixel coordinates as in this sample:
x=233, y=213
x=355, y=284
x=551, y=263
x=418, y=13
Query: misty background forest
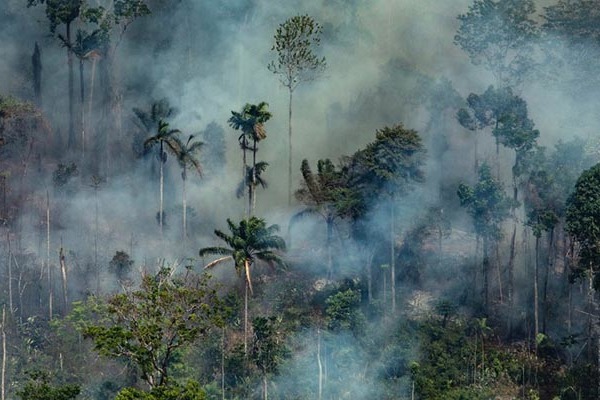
x=327, y=199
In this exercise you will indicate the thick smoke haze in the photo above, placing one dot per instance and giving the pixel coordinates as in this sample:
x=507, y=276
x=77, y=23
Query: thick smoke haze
x=209, y=58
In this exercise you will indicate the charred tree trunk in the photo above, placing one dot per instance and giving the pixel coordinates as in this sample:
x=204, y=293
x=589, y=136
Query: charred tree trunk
x=393, y=255
x=3, y=379
x=63, y=270
x=49, y=269
x=485, y=273
x=82, y=111
x=252, y=188
x=184, y=201
x=549, y=266
x=329, y=222
x=536, y=320
x=10, y=291
x=72, y=141
x=36, y=63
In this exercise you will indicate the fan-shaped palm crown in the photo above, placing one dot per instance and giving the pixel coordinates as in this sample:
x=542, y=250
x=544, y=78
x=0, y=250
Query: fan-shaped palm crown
x=251, y=122
x=249, y=241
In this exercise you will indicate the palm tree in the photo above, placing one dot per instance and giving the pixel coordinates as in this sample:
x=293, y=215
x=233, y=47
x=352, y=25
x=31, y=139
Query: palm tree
x=251, y=122
x=251, y=180
x=86, y=47
x=250, y=241
x=186, y=157
x=320, y=193
x=163, y=134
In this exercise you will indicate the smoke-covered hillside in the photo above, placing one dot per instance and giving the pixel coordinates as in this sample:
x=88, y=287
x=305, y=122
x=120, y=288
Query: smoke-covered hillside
x=328, y=199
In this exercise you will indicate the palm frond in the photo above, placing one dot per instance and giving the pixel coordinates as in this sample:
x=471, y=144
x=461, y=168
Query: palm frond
x=271, y=258
x=217, y=261
x=215, y=250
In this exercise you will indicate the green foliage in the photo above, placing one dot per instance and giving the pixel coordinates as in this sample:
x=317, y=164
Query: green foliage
x=120, y=264
x=343, y=313
x=486, y=203
x=250, y=121
x=499, y=35
x=63, y=174
x=10, y=106
x=583, y=222
x=390, y=164
x=150, y=325
x=39, y=388
x=59, y=12
x=249, y=241
x=185, y=153
x=253, y=178
x=507, y=115
x=295, y=42
x=191, y=391
x=268, y=348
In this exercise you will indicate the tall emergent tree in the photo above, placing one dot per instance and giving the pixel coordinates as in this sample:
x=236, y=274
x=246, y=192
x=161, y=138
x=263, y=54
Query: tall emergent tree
x=488, y=206
x=572, y=36
x=64, y=12
x=499, y=34
x=507, y=116
x=390, y=166
x=250, y=121
x=250, y=241
x=163, y=135
x=583, y=223
x=151, y=325
x=268, y=348
x=322, y=194
x=186, y=157
x=295, y=43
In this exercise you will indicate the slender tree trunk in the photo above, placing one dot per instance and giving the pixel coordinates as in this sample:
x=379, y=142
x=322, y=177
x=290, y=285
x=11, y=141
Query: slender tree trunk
x=265, y=386
x=370, y=256
x=252, y=188
x=329, y=223
x=184, y=209
x=512, y=251
x=536, y=321
x=82, y=113
x=10, y=292
x=71, y=140
x=91, y=97
x=223, y=363
x=244, y=175
x=320, y=365
x=162, y=185
x=49, y=271
x=485, y=272
x=246, y=318
x=511, y=267
x=497, y=250
x=546, y=278
x=3, y=352
x=393, y=255
x=96, y=269
x=290, y=150
x=63, y=269
x=36, y=61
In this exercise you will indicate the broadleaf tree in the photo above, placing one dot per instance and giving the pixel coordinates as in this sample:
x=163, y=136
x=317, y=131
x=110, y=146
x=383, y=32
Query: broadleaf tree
x=150, y=326
x=296, y=41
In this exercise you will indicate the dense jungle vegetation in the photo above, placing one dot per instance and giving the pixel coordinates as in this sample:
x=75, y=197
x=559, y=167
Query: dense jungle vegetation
x=339, y=199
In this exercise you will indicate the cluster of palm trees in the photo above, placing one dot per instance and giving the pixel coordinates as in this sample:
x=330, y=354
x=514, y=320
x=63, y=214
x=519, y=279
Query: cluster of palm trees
x=250, y=121
x=163, y=137
x=249, y=241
